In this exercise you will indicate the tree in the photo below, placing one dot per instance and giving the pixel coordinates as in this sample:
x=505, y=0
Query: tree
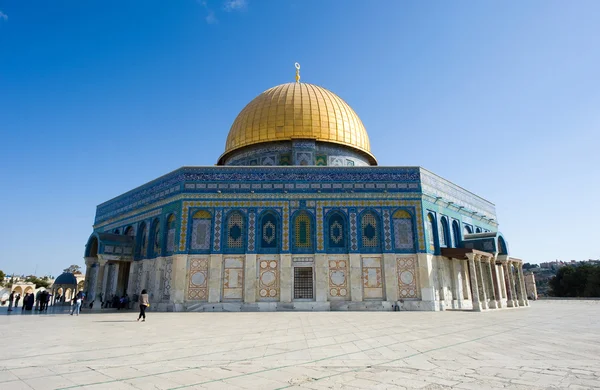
x=73, y=269
x=576, y=281
x=2, y=276
x=39, y=282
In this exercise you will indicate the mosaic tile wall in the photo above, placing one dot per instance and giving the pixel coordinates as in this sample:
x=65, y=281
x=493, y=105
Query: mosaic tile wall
x=317, y=190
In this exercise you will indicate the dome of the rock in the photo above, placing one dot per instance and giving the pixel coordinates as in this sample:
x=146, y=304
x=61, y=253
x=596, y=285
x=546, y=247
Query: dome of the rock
x=298, y=111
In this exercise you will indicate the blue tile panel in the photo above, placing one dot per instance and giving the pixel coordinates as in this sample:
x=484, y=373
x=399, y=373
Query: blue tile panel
x=364, y=198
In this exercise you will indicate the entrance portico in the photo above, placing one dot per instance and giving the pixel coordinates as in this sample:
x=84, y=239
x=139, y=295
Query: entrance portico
x=496, y=281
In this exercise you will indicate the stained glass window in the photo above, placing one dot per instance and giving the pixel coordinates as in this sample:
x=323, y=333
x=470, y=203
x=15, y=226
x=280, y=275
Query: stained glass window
x=268, y=231
x=171, y=233
x=456, y=234
x=444, y=232
x=201, y=225
x=370, y=230
x=235, y=231
x=143, y=241
x=302, y=231
x=403, y=230
x=337, y=234
x=156, y=237
x=431, y=231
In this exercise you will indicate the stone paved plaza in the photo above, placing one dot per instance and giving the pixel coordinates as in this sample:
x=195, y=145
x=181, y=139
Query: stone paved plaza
x=552, y=344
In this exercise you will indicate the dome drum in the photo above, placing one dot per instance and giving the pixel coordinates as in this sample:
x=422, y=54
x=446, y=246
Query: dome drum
x=296, y=152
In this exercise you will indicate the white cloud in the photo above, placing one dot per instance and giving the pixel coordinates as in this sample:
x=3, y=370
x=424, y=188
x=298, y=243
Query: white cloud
x=211, y=18
x=3, y=15
x=235, y=5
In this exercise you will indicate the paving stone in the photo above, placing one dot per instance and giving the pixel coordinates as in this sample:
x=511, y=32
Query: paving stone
x=549, y=345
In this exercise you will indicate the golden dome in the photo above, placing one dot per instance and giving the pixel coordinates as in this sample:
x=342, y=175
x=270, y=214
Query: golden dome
x=298, y=111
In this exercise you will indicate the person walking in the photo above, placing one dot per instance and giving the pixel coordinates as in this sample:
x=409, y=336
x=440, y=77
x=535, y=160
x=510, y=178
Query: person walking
x=144, y=303
x=25, y=298
x=10, y=300
x=17, y=298
x=77, y=304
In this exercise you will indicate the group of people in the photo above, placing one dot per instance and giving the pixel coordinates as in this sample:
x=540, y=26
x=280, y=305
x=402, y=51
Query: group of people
x=116, y=302
x=40, y=299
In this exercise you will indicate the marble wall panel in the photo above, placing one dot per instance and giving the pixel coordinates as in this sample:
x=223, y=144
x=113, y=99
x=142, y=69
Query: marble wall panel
x=407, y=277
x=233, y=278
x=268, y=278
x=198, y=279
x=338, y=278
x=372, y=278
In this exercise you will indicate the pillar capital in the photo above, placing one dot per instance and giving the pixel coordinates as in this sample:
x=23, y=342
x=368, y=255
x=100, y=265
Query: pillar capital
x=101, y=260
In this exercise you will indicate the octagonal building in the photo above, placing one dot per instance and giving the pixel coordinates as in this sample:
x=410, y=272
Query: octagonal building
x=296, y=215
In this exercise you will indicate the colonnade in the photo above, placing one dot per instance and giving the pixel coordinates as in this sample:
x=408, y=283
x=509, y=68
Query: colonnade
x=496, y=282
x=101, y=278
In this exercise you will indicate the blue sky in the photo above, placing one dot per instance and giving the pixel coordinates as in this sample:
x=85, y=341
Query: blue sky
x=98, y=97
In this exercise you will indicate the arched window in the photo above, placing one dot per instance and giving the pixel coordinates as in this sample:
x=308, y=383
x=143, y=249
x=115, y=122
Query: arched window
x=403, y=230
x=170, y=233
x=432, y=233
x=269, y=231
x=336, y=232
x=468, y=229
x=142, y=249
x=444, y=236
x=369, y=229
x=455, y=234
x=235, y=232
x=303, y=232
x=129, y=231
x=502, y=246
x=116, y=231
x=201, y=230
x=156, y=237
x=478, y=230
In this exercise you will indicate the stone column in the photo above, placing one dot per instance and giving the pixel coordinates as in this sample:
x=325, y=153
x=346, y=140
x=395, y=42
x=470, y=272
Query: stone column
x=474, y=284
x=494, y=296
x=89, y=275
x=497, y=284
x=513, y=284
x=101, y=278
x=510, y=293
x=501, y=281
x=482, y=284
x=521, y=283
x=457, y=281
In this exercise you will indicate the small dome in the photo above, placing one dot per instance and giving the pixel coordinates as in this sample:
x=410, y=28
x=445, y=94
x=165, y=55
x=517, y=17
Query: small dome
x=66, y=278
x=298, y=111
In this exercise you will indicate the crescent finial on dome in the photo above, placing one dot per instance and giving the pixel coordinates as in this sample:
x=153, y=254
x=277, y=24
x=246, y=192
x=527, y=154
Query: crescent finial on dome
x=297, y=65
